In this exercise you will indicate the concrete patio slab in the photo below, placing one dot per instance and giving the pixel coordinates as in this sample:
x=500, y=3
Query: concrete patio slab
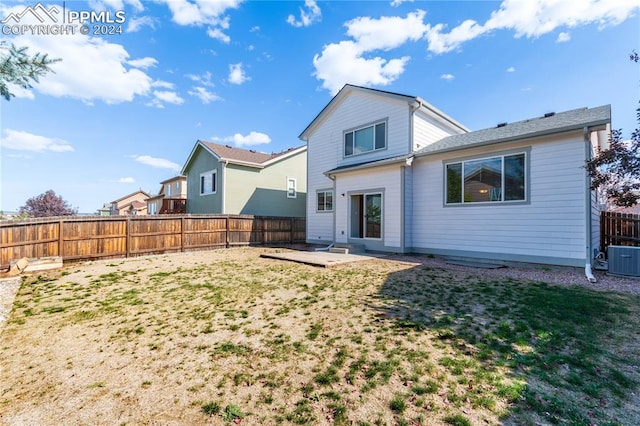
x=319, y=258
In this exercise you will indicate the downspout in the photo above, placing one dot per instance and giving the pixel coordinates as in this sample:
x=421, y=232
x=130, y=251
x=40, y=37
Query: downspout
x=587, y=267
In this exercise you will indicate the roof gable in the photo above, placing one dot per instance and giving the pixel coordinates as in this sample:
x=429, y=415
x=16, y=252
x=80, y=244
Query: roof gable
x=347, y=89
x=534, y=127
x=240, y=156
x=133, y=194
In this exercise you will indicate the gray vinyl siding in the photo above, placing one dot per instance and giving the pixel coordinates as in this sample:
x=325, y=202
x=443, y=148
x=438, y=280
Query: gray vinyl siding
x=550, y=226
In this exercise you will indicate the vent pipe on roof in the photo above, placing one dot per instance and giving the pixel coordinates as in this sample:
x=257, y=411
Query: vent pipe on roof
x=501, y=125
x=549, y=114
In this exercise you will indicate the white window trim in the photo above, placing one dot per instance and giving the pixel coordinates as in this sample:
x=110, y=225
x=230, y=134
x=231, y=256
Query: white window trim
x=502, y=155
x=325, y=200
x=213, y=173
x=372, y=124
x=292, y=187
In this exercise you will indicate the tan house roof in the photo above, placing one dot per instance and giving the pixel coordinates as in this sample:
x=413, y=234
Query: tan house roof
x=246, y=157
x=131, y=195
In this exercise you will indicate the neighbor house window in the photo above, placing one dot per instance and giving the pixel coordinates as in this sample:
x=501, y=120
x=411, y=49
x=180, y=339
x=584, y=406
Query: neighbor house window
x=486, y=180
x=325, y=201
x=291, y=187
x=208, y=182
x=365, y=139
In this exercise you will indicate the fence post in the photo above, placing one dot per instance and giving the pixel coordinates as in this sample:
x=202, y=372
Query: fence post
x=60, y=239
x=128, y=239
x=263, y=222
x=182, y=220
x=226, y=232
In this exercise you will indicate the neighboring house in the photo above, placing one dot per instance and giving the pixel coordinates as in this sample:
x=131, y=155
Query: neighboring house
x=132, y=204
x=171, y=199
x=395, y=174
x=105, y=210
x=225, y=179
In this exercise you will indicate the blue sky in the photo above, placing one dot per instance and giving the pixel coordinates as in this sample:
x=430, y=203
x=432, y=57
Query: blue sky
x=123, y=111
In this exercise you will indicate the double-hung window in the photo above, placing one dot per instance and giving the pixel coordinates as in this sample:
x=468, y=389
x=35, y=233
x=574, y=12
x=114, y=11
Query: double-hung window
x=325, y=201
x=208, y=182
x=498, y=179
x=365, y=139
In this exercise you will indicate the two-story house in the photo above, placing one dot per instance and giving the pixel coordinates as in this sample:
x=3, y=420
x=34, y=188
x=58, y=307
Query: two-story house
x=231, y=180
x=171, y=199
x=132, y=204
x=395, y=174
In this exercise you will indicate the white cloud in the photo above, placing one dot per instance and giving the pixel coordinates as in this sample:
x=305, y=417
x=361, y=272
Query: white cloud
x=25, y=141
x=204, y=95
x=255, y=29
x=511, y=69
x=159, y=163
x=165, y=96
x=218, y=35
x=143, y=63
x=135, y=24
x=534, y=18
x=126, y=180
x=311, y=15
x=115, y=4
x=20, y=92
x=204, y=79
x=163, y=84
x=90, y=69
x=203, y=12
x=253, y=138
x=345, y=62
x=447, y=77
x=237, y=74
x=396, y=3
x=563, y=37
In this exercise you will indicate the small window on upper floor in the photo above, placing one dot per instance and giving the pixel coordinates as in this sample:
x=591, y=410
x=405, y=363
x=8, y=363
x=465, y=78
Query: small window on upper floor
x=365, y=139
x=208, y=182
x=291, y=187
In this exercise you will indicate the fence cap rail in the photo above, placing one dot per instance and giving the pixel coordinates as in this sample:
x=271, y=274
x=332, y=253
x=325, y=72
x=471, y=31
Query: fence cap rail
x=90, y=218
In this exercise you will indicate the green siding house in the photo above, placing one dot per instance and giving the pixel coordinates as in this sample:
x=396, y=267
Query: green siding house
x=230, y=180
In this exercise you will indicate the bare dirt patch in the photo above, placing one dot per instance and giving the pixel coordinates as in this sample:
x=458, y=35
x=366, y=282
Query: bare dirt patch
x=217, y=336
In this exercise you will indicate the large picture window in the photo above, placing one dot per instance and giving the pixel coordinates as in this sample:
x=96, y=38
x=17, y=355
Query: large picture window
x=370, y=138
x=325, y=201
x=486, y=180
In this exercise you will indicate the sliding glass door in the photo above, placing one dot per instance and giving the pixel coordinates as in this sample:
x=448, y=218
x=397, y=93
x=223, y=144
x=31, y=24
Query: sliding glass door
x=366, y=215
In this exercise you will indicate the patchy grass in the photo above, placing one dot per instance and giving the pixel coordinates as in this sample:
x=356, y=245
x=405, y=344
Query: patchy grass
x=227, y=336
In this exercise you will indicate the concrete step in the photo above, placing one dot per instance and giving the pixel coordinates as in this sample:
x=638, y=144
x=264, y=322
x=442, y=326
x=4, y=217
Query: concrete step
x=339, y=250
x=350, y=248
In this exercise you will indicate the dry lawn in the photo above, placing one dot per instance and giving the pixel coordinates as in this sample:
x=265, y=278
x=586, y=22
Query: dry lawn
x=220, y=336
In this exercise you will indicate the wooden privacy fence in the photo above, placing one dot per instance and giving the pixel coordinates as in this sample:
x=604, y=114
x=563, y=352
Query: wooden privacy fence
x=619, y=229
x=83, y=237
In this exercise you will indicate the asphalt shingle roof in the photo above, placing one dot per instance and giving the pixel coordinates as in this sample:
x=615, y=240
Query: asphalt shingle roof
x=226, y=152
x=549, y=124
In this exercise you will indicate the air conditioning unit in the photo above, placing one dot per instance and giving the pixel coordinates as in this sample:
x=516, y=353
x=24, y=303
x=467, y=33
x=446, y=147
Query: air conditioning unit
x=624, y=260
